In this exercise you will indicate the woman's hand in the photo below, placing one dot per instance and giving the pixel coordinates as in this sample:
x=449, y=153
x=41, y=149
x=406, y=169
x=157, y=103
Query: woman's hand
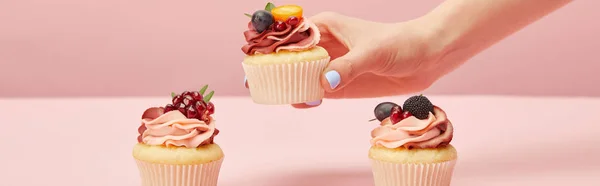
x=371, y=59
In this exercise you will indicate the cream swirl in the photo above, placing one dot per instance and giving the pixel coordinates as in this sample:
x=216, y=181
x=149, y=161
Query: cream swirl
x=411, y=132
x=174, y=129
x=302, y=37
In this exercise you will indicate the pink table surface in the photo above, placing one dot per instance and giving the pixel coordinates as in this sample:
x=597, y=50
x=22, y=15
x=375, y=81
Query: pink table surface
x=501, y=141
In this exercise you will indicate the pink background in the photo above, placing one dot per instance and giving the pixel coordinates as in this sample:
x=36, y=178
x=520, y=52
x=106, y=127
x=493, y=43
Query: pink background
x=152, y=47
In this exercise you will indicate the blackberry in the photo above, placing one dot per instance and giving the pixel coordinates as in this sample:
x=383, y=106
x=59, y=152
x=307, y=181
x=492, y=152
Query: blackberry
x=419, y=106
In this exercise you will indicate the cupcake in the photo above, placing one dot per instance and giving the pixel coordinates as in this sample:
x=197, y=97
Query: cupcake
x=283, y=63
x=176, y=142
x=411, y=147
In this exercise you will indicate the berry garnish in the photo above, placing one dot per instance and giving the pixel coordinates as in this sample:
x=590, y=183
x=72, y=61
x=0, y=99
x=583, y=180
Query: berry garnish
x=193, y=104
x=406, y=114
x=384, y=110
x=181, y=107
x=170, y=107
x=177, y=99
x=396, y=114
x=279, y=26
x=210, y=107
x=262, y=20
x=419, y=106
x=191, y=112
x=196, y=95
x=282, y=13
x=200, y=107
x=293, y=21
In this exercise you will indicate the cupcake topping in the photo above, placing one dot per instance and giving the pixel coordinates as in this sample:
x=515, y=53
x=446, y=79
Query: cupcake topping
x=419, y=106
x=175, y=129
x=279, y=28
x=404, y=129
x=384, y=110
x=186, y=121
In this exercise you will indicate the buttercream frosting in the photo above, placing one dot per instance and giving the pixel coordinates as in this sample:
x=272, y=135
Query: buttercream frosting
x=174, y=129
x=304, y=36
x=412, y=132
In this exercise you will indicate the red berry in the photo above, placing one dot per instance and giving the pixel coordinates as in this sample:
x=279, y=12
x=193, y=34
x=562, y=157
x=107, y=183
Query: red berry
x=170, y=107
x=177, y=99
x=185, y=93
x=396, y=115
x=200, y=106
x=188, y=100
x=210, y=107
x=181, y=108
x=406, y=114
x=280, y=26
x=191, y=112
x=293, y=21
x=196, y=96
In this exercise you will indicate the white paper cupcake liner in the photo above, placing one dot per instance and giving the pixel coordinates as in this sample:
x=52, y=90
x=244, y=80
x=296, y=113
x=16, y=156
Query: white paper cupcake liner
x=397, y=174
x=287, y=83
x=154, y=174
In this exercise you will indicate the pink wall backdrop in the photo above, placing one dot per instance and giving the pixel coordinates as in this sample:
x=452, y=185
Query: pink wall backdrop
x=152, y=47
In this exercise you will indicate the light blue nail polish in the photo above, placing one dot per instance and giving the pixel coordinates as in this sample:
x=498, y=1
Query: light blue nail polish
x=333, y=77
x=313, y=103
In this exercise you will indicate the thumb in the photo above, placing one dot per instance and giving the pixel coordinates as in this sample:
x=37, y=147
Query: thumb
x=341, y=71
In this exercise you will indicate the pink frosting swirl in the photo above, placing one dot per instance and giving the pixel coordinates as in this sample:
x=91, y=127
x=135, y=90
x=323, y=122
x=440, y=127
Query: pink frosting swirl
x=412, y=132
x=302, y=37
x=174, y=129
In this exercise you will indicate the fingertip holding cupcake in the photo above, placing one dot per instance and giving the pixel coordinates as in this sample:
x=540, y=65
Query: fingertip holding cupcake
x=283, y=61
x=306, y=105
x=412, y=141
x=333, y=79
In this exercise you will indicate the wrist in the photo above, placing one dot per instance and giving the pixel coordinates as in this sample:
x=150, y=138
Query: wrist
x=435, y=38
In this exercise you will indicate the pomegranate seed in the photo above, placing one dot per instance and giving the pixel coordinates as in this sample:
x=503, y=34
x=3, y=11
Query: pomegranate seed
x=188, y=100
x=177, y=99
x=181, y=107
x=406, y=114
x=293, y=21
x=200, y=107
x=191, y=112
x=395, y=117
x=185, y=93
x=396, y=114
x=211, y=108
x=196, y=96
x=280, y=26
x=169, y=107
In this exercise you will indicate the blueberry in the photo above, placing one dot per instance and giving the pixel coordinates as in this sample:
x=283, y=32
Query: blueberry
x=384, y=110
x=262, y=20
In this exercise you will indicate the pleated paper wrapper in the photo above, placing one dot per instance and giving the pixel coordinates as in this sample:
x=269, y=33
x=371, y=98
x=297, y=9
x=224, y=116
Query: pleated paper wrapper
x=286, y=83
x=398, y=174
x=154, y=174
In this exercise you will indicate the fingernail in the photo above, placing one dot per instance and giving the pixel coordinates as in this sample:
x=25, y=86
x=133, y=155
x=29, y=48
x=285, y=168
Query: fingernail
x=245, y=82
x=333, y=77
x=313, y=103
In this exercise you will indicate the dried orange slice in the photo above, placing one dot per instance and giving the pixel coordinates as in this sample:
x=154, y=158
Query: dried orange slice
x=282, y=13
